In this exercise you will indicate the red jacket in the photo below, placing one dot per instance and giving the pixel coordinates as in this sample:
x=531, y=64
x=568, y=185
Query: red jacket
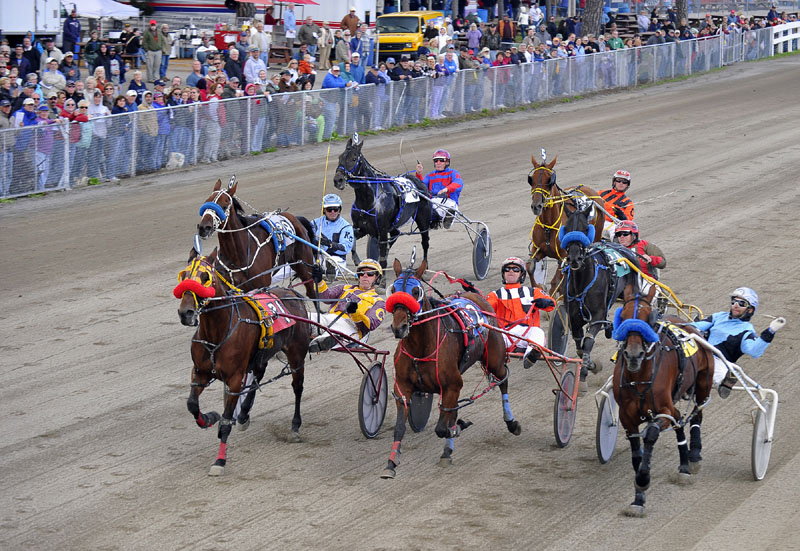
x=513, y=305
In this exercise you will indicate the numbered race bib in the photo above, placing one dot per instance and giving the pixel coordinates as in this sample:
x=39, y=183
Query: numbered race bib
x=408, y=189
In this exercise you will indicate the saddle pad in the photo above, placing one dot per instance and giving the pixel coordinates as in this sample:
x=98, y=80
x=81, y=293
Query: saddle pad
x=688, y=346
x=272, y=305
x=407, y=189
x=614, y=258
x=280, y=229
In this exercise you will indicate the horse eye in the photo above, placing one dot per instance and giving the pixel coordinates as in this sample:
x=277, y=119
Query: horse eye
x=416, y=292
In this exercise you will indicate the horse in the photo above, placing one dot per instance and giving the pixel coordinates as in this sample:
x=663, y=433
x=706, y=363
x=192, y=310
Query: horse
x=432, y=355
x=592, y=282
x=549, y=203
x=227, y=345
x=656, y=366
x=383, y=203
x=248, y=252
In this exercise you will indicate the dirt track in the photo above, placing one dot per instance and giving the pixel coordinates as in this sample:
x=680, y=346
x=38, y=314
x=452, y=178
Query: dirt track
x=100, y=452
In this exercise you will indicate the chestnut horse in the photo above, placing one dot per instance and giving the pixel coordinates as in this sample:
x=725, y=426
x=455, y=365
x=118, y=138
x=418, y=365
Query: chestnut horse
x=551, y=205
x=247, y=252
x=655, y=368
x=225, y=346
x=432, y=355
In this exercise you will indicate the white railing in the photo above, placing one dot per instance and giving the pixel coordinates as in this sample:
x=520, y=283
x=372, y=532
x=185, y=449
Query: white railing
x=786, y=38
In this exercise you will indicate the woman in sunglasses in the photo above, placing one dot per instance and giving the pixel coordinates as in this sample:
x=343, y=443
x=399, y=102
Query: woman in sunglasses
x=617, y=203
x=517, y=308
x=357, y=311
x=650, y=256
x=733, y=334
x=445, y=185
x=333, y=232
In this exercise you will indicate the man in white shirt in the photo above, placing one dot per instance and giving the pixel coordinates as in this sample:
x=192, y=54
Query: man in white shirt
x=253, y=65
x=262, y=39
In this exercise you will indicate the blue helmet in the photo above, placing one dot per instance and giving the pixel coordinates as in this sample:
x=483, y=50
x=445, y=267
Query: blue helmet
x=331, y=200
x=748, y=294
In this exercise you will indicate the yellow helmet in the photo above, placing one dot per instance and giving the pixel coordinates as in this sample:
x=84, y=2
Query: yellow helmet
x=369, y=263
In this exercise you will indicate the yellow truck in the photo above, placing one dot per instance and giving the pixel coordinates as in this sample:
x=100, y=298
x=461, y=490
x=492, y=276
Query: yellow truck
x=402, y=33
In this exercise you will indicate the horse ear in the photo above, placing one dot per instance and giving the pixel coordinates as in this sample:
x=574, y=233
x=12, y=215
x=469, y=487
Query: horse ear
x=192, y=255
x=533, y=161
x=232, y=188
x=421, y=269
x=218, y=185
x=398, y=268
x=628, y=292
x=552, y=163
x=212, y=258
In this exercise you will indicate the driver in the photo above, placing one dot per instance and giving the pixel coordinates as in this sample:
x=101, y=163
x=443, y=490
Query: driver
x=333, y=232
x=517, y=307
x=733, y=334
x=444, y=184
x=358, y=309
x=650, y=256
x=617, y=203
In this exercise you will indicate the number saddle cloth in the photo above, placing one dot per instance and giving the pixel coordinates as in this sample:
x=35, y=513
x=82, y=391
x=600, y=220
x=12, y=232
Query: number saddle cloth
x=280, y=230
x=469, y=318
x=270, y=313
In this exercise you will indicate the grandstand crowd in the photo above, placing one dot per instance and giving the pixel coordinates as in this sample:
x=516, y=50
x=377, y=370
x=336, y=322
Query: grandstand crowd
x=68, y=98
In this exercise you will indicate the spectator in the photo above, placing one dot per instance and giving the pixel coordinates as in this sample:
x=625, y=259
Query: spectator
x=309, y=34
x=315, y=120
x=6, y=148
x=148, y=134
x=491, y=39
x=243, y=45
x=71, y=32
x=325, y=45
x=253, y=66
x=28, y=91
x=474, y=37
x=138, y=86
x=71, y=90
x=196, y=74
x=116, y=68
x=152, y=46
x=52, y=78
x=102, y=59
x=261, y=40
x=523, y=20
x=287, y=82
x=377, y=76
x=298, y=56
x=204, y=49
x=132, y=99
x=507, y=31
x=359, y=44
x=164, y=128
x=88, y=93
x=269, y=19
x=307, y=69
x=351, y=21
x=98, y=157
x=99, y=77
x=289, y=26
x=643, y=21
x=21, y=62
x=91, y=51
x=356, y=70
x=109, y=92
x=343, y=48
x=166, y=50
x=133, y=46
x=118, y=128
x=615, y=42
x=293, y=70
x=439, y=74
x=233, y=67
x=50, y=51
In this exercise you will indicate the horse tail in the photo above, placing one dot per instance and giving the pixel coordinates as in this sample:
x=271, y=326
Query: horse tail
x=306, y=225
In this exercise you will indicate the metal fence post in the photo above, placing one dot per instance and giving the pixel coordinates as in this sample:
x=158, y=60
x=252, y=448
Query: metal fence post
x=250, y=126
x=303, y=119
x=494, y=90
x=134, y=136
x=346, y=110
x=196, y=133
x=390, y=85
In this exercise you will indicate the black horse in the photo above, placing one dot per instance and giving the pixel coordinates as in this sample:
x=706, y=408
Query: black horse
x=593, y=282
x=383, y=203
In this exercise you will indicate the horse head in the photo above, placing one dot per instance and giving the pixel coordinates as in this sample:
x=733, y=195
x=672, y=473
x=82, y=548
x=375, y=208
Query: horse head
x=577, y=234
x=197, y=283
x=407, y=298
x=215, y=211
x=633, y=326
x=542, y=179
x=349, y=162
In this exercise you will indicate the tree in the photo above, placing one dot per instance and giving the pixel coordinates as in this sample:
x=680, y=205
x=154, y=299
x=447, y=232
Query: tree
x=593, y=17
x=682, y=9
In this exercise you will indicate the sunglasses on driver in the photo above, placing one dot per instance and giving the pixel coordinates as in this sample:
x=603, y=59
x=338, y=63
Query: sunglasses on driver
x=368, y=274
x=739, y=302
x=622, y=234
x=332, y=209
x=515, y=269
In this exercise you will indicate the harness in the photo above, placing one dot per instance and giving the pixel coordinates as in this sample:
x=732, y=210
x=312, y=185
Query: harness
x=550, y=201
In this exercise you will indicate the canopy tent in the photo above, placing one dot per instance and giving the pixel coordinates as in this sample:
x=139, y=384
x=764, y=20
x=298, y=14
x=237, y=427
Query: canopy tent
x=97, y=9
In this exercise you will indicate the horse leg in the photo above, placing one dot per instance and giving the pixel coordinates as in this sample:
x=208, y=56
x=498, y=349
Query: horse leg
x=203, y=420
x=426, y=241
x=587, y=345
x=296, y=357
x=695, y=443
x=224, y=430
x=684, y=473
x=449, y=426
x=399, y=429
x=246, y=402
x=637, y=507
x=512, y=424
x=383, y=247
x=651, y=433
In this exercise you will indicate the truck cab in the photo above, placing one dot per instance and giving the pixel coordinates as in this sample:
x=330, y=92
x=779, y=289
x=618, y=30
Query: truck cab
x=402, y=33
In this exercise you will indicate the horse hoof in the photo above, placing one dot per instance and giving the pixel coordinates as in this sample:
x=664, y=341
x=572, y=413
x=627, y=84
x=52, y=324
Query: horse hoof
x=216, y=470
x=681, y=479
x=636, y=511
x=514, y=427
x=583, y=388
x=243, y=426
x=694, y=467
x=596, y=367
x=445, y=461
x=388, y=474
x=294, y=437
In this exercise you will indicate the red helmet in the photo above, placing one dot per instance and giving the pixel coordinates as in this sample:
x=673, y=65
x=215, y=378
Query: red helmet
x=622, y=175
x=628, y=225
x=442, y=154
x=513, y=261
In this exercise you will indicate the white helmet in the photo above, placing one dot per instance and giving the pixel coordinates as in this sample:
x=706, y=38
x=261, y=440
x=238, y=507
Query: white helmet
x=331, y=200
x=750, y=296
x=513, y=261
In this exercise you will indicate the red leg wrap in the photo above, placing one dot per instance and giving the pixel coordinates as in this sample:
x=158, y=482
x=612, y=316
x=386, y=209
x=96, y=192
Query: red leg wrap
x=201, y=422
x=223, y=450
x=395, y=451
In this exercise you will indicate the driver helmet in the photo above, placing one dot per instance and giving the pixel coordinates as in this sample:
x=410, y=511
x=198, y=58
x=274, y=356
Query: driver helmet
x=750, y=296
x=331, y=200
x=628, y=225
x=622, y=175
x=371, y=264
x=513, y=261
x=442, y=154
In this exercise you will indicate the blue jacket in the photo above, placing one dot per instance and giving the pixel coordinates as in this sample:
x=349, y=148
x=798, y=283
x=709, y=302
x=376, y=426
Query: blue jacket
x=289, y=21
x=448, y=178
x=733, y=336
x=357, y=72
x=339, y=231
x=72, y=29
x=331, y=81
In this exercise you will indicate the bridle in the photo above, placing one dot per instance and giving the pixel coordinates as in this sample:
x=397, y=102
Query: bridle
x=218, y=214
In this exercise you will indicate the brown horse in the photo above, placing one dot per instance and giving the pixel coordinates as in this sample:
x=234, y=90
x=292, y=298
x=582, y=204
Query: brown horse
x=551, y=205
x=247, y=251
x=226, y=346
x=432, y=355
x=653, y=370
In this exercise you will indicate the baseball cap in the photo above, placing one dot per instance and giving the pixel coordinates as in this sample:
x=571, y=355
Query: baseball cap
x=49, y=59
x=30, y=85
x=463, y=49
x=287, y=72
x=70, y=54
x=153, y=22
x=355, y=54
x=29, y=101
x=131, y=93
x=390, y=60
x=471, y=52
x=5, y=103
x=147, y=92
x=43, y=107
x=374, y=67
x=234, y=79
x=487, y=50
x=404, y=57
x=212, y=70
x=159, y=82
x=49, y=39
x=254, y=48
x=70, y=83
x=451, y=47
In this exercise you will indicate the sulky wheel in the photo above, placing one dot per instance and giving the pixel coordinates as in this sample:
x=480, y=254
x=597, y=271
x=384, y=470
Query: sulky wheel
x=564, y=410
x=762, y=446
x=607, y=429
x=420, y=410
x=372, y=400
x=559, y=330
x=482, y=253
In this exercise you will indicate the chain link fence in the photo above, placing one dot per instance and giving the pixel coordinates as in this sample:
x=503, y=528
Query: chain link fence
x=60, y=155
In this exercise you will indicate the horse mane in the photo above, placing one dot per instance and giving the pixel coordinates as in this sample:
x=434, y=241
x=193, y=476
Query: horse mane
x=238, y=208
